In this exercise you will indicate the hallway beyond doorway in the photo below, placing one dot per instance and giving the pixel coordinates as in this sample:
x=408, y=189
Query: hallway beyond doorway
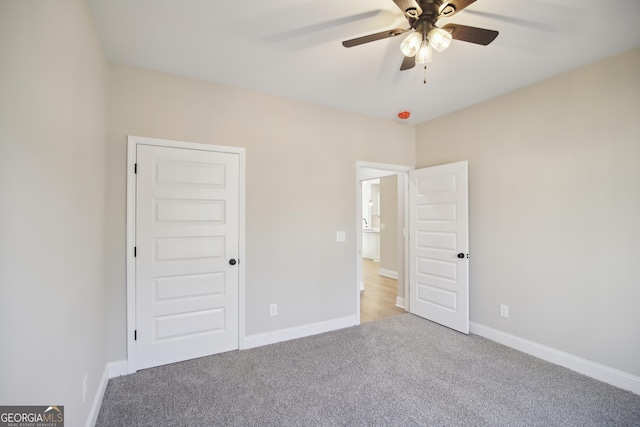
x=378, y=300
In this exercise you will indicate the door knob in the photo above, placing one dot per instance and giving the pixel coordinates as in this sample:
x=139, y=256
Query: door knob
x=460, y=255
x=232, y=261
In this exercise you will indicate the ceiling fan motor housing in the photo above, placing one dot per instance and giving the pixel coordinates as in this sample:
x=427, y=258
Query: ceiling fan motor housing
x=429, y=16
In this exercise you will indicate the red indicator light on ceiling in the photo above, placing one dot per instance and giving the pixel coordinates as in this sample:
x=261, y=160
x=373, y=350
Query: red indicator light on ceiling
x=404, y=115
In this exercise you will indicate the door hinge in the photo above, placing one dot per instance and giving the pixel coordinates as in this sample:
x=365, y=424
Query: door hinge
x=135, y=168
x=135, y=335
x=135, y=251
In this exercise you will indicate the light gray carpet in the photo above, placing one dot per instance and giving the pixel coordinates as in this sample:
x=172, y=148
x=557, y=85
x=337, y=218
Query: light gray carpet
x=401, y=371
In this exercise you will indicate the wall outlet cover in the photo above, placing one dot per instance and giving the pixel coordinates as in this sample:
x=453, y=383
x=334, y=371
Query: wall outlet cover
x=84, y=388
x=504, y=310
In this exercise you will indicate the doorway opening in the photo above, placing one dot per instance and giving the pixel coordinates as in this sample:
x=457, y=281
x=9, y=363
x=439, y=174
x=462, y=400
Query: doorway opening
x=382, y=197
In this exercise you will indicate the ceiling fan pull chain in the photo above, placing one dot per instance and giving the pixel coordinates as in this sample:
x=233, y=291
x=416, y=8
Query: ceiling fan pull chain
x=425, y=74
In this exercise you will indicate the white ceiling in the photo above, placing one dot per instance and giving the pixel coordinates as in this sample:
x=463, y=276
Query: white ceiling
x=292, y=48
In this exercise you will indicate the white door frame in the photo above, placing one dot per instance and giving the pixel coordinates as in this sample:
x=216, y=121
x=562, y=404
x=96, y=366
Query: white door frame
x=368, y=170
x=132, y=143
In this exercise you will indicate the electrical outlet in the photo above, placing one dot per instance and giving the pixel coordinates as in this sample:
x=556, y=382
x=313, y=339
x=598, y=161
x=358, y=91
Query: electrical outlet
x=504, y=310
x=273, y=310
x=84, y=388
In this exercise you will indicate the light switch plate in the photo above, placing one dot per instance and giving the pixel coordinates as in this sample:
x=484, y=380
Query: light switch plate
x=341, y=236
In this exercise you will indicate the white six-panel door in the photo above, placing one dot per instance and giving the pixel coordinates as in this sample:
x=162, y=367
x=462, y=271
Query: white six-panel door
x=439, y=241
x=186, y=222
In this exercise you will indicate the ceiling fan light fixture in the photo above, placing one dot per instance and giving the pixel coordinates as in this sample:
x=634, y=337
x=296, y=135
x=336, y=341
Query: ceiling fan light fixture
x=425, y=54
x=440, y=39
x=411, y=44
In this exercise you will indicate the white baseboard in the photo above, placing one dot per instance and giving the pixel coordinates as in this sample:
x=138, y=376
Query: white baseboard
x=595, y=370
x=388, y=273
x=117, y=369
x=97, y=400
x=266, y=338
x=111, y=370
x=400, y=302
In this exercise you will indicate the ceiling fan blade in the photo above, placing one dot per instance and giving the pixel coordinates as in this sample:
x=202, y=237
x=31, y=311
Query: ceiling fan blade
x=408, y=62
x=409, y=5
x=471, y=34
x=373, y=37
x=528, y=23
x=458, y=5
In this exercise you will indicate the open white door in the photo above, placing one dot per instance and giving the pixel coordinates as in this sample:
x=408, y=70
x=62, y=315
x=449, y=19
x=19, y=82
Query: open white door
x=438, y=245
x=186, y=292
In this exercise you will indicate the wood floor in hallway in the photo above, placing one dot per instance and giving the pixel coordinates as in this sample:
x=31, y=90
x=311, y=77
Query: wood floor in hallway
x=378, y=300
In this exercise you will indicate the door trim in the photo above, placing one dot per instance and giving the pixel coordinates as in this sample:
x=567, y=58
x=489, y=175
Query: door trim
x=132, y=143
x=369, y=170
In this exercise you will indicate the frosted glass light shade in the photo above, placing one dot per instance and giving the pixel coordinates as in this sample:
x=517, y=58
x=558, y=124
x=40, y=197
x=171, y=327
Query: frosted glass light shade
x=411, y=44
x=424, y=55
x=440, y=39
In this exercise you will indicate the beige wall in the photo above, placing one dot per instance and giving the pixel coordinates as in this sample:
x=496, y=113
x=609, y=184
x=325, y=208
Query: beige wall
x=554, y=186
x=554, y=192
x=389, y=217
x=301, y=165
x=52, y=192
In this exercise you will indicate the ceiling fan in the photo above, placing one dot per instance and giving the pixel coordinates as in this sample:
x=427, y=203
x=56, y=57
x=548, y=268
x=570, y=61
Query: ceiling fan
x=425, y=35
